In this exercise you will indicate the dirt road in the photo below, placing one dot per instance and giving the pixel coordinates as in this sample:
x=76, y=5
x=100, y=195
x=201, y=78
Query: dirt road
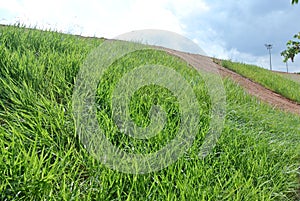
x=255, y=89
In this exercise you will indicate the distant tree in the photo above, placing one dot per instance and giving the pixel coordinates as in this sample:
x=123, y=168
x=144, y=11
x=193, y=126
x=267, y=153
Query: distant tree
x=293, y=47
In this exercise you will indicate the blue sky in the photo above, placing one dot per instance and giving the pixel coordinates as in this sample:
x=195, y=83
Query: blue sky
x=228, y=29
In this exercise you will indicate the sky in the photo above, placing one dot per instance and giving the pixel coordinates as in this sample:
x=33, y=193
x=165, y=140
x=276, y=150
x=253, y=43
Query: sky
x=228, y=29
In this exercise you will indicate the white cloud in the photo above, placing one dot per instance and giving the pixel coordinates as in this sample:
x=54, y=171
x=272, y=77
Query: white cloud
x=11, y=6
x=185, y=8
x=101, y=18
x=148, y=15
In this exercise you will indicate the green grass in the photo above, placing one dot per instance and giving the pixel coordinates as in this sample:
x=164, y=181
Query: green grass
x=293, y=76
x=271, y=80
x=256, y=157
x=146, y=97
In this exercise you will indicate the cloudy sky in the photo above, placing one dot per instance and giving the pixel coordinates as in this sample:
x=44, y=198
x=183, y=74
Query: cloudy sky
x=228, y=29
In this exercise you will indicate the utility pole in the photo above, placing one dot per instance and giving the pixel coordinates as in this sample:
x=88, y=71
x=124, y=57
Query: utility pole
x=269, y=47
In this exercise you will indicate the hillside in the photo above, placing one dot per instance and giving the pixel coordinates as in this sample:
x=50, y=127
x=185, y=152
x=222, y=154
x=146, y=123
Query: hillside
x=42, y=158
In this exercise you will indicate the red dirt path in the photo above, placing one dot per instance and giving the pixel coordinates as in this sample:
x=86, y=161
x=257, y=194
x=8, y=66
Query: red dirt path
x=253, y=88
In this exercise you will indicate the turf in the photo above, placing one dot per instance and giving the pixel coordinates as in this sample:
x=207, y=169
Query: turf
x=271, y=80
x=42, y=158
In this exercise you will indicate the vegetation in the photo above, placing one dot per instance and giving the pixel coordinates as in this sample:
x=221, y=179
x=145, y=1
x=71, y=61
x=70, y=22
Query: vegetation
x=293, y=48
x=271, y=80
x=256, y=157
x=293, y=76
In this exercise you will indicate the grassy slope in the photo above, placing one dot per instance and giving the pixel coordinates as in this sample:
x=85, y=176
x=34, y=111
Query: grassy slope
x=256, y=158
x=271, y=80
x=295, y=77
